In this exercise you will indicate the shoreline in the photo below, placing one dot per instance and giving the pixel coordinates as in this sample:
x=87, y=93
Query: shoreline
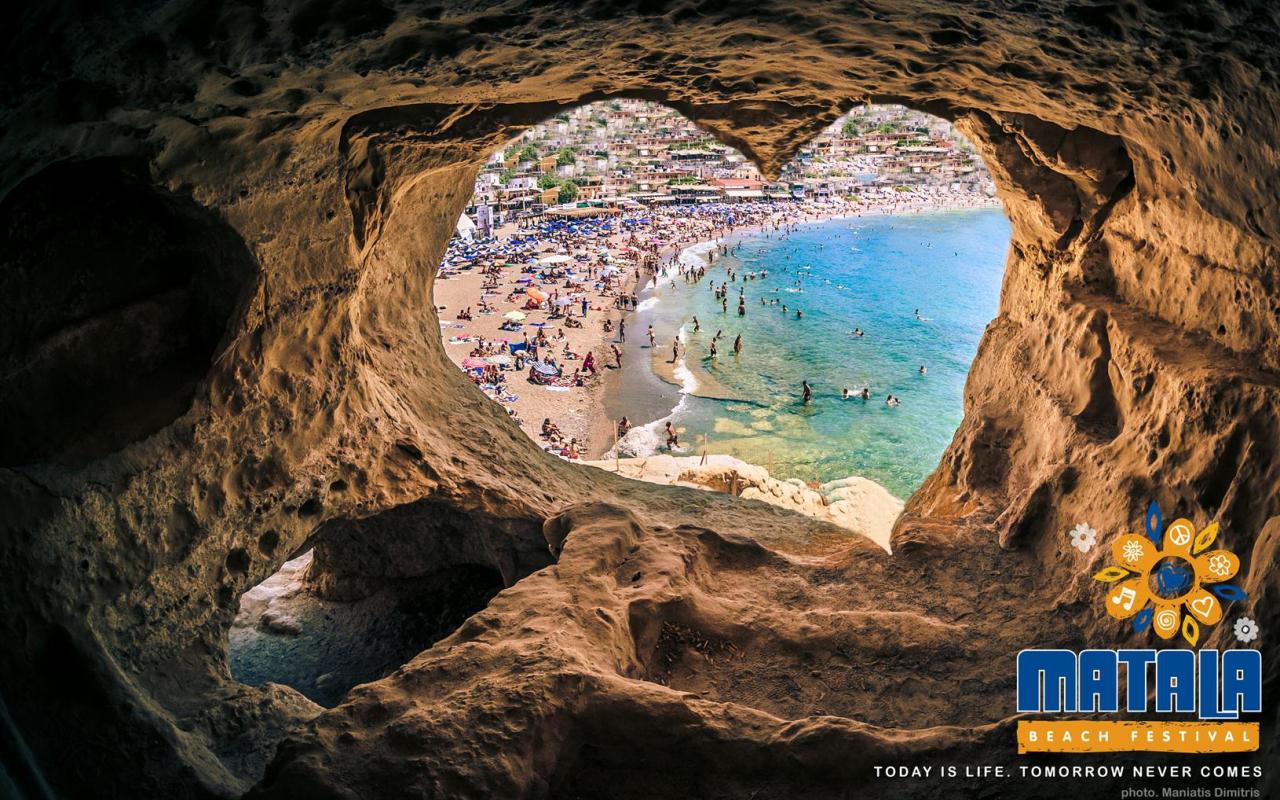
x=705, y=386
x=582, y=413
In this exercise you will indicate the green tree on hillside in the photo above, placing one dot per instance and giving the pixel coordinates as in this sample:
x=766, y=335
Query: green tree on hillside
x=547, y=180
x=566, y=156
x=568, y=192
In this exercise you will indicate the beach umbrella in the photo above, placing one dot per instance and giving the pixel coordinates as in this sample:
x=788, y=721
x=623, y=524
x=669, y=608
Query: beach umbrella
x=536, y=294
x=563, y=301
x=473, y=363
x=514, y=315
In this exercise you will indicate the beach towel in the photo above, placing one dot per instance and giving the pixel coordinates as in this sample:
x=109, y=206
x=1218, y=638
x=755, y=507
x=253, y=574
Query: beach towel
x=556, y=388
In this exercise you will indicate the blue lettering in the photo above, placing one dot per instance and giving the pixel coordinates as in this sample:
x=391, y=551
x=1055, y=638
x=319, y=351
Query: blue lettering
x=1136, y=662
x=1055, y=671
x=1175, y=681
x=1098, y=680
x=1216, y=685
x=1242, y=681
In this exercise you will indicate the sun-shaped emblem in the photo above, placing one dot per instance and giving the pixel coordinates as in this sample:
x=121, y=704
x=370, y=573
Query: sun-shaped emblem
x=1169, y=580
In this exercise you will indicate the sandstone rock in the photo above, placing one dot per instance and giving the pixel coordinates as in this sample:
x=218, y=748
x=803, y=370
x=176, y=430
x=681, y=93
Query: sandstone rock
x=280, y=622
x=297, y=169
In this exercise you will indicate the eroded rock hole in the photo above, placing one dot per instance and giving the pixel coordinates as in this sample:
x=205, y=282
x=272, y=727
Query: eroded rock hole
x=366, y=596
x=114, y=296
x=625, y=285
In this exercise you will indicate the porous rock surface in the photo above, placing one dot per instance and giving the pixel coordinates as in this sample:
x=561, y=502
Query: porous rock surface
x=856, y=504
x=217, y=345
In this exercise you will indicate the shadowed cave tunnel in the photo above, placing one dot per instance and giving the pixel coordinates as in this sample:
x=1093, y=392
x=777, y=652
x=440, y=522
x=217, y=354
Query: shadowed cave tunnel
x=221, y=222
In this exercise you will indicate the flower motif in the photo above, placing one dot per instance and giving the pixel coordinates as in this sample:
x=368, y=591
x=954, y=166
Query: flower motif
x=1168, y=579
x=1246, y=629
x=1083, y=537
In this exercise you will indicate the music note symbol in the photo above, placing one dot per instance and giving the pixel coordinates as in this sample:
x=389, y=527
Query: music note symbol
x=1125, y=598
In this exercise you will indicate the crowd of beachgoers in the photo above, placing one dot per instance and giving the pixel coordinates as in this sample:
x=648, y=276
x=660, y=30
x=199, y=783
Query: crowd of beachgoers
x=537, y=314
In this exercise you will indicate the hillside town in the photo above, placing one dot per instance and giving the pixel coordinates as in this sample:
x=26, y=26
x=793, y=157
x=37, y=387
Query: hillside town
x=581, y=213
x=631, y=153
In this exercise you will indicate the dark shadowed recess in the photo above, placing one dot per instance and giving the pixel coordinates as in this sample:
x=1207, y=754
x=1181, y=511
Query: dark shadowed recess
x=114, y=296
x=366, y=596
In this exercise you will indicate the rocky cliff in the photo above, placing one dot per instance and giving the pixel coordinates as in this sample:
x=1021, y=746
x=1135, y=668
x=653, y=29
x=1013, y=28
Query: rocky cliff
x=218, y=347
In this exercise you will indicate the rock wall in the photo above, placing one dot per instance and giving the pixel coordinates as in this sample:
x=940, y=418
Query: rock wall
x=316, y=156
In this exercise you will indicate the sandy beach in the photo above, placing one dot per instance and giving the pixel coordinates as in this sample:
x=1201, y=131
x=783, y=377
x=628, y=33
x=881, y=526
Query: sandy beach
x=605, y=265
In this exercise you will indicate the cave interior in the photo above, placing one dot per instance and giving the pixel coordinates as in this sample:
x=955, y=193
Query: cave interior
x=218, y=351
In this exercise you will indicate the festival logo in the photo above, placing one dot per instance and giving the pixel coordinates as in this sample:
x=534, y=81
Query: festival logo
x=1170, y=580
x=1173, y=581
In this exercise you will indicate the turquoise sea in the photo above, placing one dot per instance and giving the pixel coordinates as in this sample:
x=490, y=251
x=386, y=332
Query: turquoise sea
x=871, y=273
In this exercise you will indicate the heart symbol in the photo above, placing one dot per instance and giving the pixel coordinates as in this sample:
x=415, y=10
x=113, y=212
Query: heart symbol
x=1203, y=605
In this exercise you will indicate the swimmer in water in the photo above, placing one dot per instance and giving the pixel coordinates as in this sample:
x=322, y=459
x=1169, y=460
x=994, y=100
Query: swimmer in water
x=924, y=370
x=806, y=393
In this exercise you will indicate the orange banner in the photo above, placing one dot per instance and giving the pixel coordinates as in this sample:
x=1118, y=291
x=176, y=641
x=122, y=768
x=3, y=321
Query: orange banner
x=1109, y=736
